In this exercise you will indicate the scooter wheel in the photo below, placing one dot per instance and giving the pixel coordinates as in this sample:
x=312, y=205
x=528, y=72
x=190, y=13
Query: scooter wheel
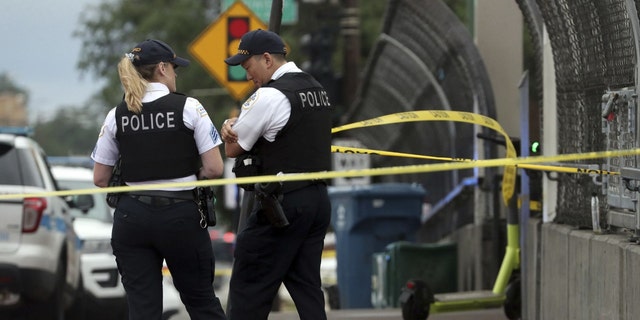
x=410, y=311
x=415, y=300
x=513, y=301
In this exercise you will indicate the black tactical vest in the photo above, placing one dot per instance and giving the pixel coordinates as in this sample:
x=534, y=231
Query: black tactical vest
x=304, y=143
x=156, y=144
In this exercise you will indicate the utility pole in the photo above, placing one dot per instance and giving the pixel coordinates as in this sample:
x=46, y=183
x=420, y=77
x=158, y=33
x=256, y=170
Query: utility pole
x=350, y=29
x=275, y=20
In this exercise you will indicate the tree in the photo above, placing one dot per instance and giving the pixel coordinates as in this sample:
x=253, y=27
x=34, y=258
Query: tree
x=112, y=28
x=71, y=132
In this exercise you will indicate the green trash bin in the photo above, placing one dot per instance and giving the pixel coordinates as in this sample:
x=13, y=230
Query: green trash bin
x=435, y=263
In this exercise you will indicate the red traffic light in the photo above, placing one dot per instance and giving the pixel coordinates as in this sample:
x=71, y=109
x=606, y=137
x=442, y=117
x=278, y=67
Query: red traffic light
x=237, y=27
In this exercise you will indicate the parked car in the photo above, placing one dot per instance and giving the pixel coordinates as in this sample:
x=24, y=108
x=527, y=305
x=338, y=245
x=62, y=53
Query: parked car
x=104, y=295
x=39, y=249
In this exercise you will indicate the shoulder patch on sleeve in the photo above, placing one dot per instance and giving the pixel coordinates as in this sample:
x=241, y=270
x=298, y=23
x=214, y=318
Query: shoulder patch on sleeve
x=194, y=103
x=201, y=111
x=102, y=130
x=251, y=101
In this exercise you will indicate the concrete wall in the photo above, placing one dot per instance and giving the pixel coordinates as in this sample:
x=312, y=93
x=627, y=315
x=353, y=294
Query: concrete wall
x=580, y=275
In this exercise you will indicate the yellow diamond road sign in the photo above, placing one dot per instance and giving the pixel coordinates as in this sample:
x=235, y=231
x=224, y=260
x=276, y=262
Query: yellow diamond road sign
x=220, y=40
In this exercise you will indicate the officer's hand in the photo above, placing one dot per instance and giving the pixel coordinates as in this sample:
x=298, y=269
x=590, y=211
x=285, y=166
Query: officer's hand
x=228, y=135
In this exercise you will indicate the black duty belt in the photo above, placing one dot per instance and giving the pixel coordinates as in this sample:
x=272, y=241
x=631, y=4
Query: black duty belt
x=295, y=185
x=163, y=197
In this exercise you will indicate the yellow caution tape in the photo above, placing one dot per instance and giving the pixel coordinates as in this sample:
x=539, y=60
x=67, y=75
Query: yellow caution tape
x=509, y=175
x=412, y=169
x=536, y=167
x=510, y=162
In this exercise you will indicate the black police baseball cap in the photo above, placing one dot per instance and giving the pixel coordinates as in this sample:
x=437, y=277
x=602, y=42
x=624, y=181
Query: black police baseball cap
x=257, y=42
x=152, y=51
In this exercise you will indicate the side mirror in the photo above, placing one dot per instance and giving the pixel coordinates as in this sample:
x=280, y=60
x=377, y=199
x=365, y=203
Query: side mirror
x=82, y=202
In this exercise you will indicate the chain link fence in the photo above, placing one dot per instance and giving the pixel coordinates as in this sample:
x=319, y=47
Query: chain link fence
x=593, y=53
x=424, y=59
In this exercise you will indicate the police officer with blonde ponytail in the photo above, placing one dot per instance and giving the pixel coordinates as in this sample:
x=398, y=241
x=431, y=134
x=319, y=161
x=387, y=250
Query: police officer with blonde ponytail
x=160, y=136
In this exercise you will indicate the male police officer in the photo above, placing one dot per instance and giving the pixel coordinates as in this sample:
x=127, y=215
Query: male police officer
x=285, y=126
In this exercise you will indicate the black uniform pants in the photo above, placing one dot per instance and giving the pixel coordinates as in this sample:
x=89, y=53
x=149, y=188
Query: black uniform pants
x=143, y=235
x=266, y=256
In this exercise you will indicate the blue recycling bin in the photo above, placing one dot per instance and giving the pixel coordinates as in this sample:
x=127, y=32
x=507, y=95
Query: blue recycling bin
x=365, y=220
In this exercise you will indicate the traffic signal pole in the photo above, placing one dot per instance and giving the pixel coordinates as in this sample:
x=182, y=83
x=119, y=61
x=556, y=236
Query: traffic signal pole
x=350, y=29
x=276, y=16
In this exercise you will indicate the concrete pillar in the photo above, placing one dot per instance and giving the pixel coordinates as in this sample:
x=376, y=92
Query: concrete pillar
x=549, y=127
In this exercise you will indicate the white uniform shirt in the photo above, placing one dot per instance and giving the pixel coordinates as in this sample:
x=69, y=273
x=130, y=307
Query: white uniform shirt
x=265, y=113
x=195, y=117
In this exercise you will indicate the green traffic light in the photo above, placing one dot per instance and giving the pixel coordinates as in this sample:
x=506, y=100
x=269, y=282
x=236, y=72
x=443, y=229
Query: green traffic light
x=535, y=147
x=236, y=73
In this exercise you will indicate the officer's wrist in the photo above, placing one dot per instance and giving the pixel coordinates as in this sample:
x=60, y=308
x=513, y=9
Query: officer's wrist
x=200, y=175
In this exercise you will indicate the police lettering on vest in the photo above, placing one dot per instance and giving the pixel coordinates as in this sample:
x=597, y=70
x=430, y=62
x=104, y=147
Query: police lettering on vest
x=314, y=98
x=148, y=121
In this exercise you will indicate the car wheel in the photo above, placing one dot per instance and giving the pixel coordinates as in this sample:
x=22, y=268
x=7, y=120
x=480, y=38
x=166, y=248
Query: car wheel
x=52, y=308
x=78, y=310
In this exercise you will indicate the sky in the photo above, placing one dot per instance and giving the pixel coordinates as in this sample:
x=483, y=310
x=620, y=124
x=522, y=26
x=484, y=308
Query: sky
x=40, y=54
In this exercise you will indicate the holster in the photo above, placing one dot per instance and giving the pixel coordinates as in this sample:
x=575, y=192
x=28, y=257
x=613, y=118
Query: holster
x=114, y=181
x=206, y=206
x=268, y=196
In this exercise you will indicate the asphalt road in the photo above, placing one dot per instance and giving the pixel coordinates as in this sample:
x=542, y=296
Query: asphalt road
x=384, y=314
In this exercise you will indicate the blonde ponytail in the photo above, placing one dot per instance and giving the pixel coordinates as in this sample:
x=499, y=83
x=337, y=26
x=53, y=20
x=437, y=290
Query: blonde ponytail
x=133, y=84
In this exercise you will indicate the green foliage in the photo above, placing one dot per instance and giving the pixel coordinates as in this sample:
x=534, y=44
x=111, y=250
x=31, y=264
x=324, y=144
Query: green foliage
x=71, y=132
x=464, y=10
x=314, y=17
x=113, y=28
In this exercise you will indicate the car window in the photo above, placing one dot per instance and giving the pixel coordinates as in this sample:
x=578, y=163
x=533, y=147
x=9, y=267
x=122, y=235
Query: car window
x=18, y=167
x=100, y=210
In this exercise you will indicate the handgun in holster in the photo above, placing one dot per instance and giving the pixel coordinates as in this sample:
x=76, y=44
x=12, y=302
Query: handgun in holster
x=268, y=198
x=206, y=206
x=114, y=181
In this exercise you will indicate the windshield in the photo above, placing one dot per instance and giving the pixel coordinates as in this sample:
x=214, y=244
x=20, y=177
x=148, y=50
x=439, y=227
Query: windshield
x=100, y=210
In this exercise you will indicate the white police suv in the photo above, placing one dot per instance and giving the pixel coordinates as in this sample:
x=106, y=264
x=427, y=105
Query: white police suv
x=39, y=250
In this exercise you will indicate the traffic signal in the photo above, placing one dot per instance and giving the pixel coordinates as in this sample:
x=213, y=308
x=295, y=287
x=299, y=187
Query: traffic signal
x=319, y=46
x=236, y=28
x=536, y=148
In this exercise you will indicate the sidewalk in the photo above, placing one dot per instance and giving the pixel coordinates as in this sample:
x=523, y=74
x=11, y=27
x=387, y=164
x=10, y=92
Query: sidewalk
x=396, y=314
